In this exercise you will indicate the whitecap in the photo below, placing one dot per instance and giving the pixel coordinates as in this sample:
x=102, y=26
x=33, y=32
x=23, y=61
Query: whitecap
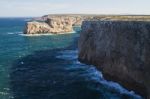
x=10, y=33
x=120, y=89
x=68, y=55
x=22, y=63
x=94, y=74
x=4, y=93
x=35, y=34
x=91, y=72
x=98, y=76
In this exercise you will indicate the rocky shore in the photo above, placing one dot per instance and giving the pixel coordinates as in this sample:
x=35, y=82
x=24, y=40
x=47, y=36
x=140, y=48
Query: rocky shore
x=120, y=48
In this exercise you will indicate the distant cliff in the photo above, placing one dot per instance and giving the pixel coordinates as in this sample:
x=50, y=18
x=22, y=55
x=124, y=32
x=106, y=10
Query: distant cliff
x=55, y=23
x=76, y=18
x=51, y=25
x=121, y=49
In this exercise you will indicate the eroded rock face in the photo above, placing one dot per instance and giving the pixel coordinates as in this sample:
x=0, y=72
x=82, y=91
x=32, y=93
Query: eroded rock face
x=75, y=20
x=121, y=49
x=36, y=27
x=60, y=24
x=51, y=25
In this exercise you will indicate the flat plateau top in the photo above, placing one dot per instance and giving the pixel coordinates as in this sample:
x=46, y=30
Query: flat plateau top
x=120, y=18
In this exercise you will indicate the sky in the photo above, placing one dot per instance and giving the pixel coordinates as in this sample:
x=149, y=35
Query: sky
x=33, y=8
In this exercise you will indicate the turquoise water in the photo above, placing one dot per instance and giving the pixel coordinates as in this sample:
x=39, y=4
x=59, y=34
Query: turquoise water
x=46, y=67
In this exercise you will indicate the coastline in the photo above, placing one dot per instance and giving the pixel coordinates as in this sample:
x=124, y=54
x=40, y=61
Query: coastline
x=46, y=34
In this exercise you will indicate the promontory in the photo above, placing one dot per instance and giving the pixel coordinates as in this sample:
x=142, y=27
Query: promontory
x=54, y=24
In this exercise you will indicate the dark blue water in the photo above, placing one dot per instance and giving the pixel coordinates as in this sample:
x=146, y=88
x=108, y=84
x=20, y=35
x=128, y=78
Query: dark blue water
x=46, y=67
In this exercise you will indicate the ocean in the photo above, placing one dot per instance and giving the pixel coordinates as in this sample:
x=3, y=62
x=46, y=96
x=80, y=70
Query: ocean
x=47, y=67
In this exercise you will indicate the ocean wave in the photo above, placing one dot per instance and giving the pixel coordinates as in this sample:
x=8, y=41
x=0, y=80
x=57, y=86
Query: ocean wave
x=35, y=34
x=68, y=55
x=120, y=89
x=4, y=93
x=91, y=73
x=96, y=75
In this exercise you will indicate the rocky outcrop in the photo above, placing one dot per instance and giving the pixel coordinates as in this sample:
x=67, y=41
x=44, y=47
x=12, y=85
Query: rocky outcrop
x=121, y=49
x=51, y=25
x=36, y=27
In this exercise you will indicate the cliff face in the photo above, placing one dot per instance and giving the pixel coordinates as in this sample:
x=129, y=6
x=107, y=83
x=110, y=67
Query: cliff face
x=36, y=27
x=51, y=25
x=121, y=49
x=63, y=23
x=76, y=19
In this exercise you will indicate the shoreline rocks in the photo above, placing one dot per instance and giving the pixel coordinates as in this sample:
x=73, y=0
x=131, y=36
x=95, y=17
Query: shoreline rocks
x=120, y=49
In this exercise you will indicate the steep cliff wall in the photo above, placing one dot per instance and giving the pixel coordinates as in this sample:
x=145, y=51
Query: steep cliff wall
x=121, y=49
x=36, y=27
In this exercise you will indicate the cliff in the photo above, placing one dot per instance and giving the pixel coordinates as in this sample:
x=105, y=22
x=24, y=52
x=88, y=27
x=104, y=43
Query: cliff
x=51, y=25
x=36, y=27
x=120, y=49
x=76, y=18
x=59, y=23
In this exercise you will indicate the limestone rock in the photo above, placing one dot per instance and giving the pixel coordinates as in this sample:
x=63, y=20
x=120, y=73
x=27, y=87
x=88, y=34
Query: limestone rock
x=51, y=25
x=36, y=28
x=57, y=23
x=60, y=24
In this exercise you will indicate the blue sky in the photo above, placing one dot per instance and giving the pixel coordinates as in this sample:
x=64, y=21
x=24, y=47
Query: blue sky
x=20, y=8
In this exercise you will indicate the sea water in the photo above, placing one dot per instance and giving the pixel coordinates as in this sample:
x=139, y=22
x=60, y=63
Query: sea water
x=46, y=67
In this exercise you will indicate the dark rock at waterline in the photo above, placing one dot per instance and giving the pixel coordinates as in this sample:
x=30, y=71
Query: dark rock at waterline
x=121, y=49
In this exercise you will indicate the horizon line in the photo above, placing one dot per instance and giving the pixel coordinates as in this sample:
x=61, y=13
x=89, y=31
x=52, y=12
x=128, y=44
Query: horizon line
x=75, y=14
